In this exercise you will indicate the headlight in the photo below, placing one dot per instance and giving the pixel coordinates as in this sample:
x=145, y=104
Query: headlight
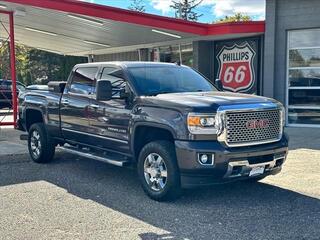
x=203, y=123
x=283, y=115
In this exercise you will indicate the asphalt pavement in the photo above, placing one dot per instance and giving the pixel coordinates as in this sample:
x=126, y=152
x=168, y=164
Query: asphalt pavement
x=76, y=198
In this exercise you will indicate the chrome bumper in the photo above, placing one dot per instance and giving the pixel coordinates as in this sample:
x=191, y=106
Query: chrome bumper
x=242, y=168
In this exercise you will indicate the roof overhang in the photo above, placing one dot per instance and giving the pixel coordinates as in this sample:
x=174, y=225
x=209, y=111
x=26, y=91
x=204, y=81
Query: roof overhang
x=107, y=27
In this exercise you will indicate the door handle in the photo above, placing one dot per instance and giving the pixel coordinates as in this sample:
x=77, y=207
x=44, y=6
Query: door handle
x=105, y=119
x=94, y=105
x=65, y=102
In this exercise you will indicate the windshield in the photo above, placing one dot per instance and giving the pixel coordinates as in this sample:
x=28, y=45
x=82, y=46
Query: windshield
x=154, y=80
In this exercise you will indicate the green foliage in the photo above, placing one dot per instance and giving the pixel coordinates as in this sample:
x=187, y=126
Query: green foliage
x=238, y=17
x=21, y=60
x=186, y=9
x=35, y=66
x=137, y=5
x=46, y=66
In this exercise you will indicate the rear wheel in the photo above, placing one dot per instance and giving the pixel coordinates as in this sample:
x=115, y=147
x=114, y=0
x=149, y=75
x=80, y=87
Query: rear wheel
x=40, y=144
x=158, y=171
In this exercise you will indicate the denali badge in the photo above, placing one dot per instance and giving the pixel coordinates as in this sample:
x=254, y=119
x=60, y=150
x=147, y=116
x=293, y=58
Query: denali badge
x=257, y=124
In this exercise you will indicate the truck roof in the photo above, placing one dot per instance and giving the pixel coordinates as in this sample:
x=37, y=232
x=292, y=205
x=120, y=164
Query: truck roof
x=126, y=64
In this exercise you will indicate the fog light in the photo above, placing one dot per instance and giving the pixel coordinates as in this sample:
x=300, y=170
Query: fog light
x=206, y=158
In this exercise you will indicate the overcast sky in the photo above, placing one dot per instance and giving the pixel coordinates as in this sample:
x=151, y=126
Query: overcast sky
x=211, y=9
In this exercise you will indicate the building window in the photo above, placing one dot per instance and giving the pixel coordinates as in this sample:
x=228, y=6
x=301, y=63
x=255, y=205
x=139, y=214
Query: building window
x=187, y=54
x=303, y=77
x=176, y=53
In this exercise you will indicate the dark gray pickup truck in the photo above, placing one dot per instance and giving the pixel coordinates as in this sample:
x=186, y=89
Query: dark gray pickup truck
x=170, y=122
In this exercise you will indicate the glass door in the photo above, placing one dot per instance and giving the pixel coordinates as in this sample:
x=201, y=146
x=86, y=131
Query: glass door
x=303, y=78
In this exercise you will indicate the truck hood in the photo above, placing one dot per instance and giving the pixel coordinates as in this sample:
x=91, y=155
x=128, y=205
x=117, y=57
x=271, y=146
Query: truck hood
x=202, y=101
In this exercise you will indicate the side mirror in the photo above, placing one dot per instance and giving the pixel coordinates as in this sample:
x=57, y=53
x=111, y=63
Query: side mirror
x=104, y=90
x=218, y=84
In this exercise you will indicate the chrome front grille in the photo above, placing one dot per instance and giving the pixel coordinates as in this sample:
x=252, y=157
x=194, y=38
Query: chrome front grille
x=253, y=127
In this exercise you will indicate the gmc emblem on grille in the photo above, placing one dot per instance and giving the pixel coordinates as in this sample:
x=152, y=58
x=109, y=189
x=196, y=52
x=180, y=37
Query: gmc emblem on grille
x=257, y=124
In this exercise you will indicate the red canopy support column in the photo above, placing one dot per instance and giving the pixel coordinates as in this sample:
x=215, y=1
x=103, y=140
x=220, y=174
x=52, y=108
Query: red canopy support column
x=13, y=71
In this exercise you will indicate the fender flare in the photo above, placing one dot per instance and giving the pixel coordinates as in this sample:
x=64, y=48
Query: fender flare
x=149, y=124
x=34, y=109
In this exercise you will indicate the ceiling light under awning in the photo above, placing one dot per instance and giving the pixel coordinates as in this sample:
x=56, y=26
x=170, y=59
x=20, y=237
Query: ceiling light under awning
x=96, y=43
x=51, y=51
x=85, y=19
x=40, y=31
x=3, y=6
x=166, y=33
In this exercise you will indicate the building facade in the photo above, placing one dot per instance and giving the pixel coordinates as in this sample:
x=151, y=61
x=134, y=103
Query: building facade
x=283, y=63
x=292, y=58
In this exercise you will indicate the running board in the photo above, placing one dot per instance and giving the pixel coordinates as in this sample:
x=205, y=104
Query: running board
x=86, y=154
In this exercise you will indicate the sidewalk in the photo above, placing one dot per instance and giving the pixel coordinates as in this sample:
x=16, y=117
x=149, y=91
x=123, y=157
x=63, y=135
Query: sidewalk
x=10, y=144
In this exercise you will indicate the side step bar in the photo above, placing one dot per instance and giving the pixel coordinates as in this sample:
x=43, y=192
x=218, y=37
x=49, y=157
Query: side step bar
x=86, y=154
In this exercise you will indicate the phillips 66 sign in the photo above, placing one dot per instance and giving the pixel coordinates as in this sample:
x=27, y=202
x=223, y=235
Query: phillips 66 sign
x=237, y=66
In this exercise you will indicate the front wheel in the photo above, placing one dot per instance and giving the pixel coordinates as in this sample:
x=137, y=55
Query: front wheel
x=40, y=144
x=158, y=171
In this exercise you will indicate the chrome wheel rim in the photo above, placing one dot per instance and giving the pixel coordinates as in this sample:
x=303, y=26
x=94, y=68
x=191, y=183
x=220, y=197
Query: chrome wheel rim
x=35, y=143
x=155, y=172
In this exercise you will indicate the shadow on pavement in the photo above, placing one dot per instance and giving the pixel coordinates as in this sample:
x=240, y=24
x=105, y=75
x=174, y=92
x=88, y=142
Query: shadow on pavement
x=239, y=210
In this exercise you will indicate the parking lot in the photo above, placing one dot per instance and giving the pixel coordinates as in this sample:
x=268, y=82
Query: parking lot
x=76, y=198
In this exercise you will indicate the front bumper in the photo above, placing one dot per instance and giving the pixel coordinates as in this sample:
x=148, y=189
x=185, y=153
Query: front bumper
x=229, y=163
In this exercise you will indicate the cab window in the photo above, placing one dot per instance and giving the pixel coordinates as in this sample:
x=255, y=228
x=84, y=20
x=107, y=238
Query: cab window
x=115, y=76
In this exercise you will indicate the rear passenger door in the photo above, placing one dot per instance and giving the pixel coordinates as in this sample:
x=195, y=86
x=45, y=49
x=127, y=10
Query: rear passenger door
x=74, y=106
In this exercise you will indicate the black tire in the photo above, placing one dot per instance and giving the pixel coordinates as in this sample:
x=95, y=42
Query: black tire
x=172, y=187
x=47, y=147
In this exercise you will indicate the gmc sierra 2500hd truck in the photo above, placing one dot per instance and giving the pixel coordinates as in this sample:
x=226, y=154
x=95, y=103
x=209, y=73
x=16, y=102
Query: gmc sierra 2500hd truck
x=170, y=122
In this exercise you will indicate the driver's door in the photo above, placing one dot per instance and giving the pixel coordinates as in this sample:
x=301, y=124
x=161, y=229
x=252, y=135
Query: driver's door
x=109, y=120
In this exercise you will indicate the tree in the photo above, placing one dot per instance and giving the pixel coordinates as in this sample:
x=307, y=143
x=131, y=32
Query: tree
x=5, y=60
x=46, y=66
x=21, y=61
x=137, y=5
x=238, y=17
x=185, y=9
x=35, y=66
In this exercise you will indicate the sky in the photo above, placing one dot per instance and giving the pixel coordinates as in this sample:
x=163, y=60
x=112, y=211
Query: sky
x=211, y=9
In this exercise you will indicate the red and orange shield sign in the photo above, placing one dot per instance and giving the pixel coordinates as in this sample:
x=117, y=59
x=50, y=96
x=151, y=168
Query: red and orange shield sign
x=236, y=67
